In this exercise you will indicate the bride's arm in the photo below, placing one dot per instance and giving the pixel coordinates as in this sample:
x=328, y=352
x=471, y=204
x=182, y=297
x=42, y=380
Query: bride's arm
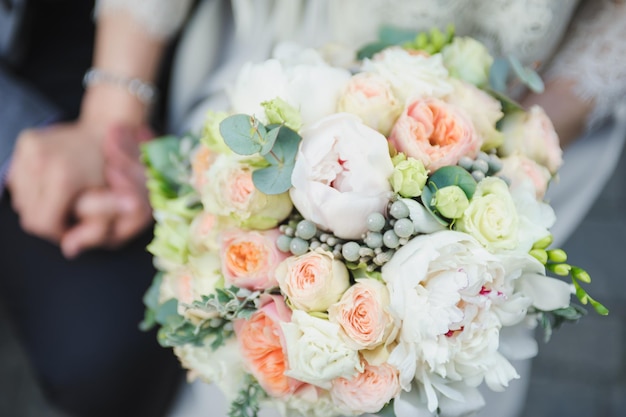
x=587, y=78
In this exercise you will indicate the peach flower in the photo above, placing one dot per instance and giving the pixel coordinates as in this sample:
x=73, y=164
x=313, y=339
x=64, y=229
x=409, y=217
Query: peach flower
x=313, y=281
x=262, y=347
x=368, y=391
x=435, y=132
x=201, y=161
x=519, y=169
x=362, y=314
x=250, y=258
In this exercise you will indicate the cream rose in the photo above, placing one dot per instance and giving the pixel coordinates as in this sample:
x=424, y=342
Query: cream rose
x=467, y=59
x=341, y=175
x=532, y=134
x=317, y=353
x=232, y=194
x=362, y=314
x=370, y=97
x=250, y=258
x=491, y=217
x=313, y=281
x=435, y=132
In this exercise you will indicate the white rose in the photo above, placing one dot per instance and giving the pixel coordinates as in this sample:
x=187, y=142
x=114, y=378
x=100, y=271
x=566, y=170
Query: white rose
x=341, y=175
x=468, y=59
x=316, y=351
x=532, y=134
x=492, y=217
x=411, y=76
x=222, y=366
x=535, y=217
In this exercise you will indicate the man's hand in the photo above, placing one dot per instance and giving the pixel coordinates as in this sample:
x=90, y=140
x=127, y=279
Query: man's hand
x=50, y=167
x=109, y=217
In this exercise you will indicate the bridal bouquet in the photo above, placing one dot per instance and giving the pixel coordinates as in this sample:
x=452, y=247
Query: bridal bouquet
x=360, y=237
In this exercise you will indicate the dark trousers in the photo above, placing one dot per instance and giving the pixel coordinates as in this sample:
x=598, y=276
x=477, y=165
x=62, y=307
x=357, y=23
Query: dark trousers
x=77, y=321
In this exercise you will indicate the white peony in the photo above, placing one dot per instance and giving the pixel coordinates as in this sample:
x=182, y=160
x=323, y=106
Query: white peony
x=341, y=175
x=443, y=287
x=309, y=85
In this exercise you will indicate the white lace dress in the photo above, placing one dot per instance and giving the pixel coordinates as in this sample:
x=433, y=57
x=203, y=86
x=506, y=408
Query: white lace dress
x=577, y=40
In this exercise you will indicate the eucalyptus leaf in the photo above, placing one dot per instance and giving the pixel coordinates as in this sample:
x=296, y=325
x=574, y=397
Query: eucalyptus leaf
x=157, y=155
x=508, y=104
x=371, y=49
x=270, y=140
x=243, y=134
x=285, y=148
x=166, y=310
x=393, y=35
x=275, y=179
x=527, y=75
x=499, y=74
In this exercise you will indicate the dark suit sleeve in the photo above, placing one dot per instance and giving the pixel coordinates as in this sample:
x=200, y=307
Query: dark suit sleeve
x=21, y=107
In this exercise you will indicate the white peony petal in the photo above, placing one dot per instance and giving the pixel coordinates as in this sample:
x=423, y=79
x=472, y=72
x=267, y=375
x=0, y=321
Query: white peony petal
x=547, y=293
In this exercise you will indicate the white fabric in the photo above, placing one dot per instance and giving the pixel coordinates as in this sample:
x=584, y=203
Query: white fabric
x=160, y=18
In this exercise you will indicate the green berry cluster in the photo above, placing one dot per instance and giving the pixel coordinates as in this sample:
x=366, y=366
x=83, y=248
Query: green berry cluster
x=377, y=245
x=485, y=165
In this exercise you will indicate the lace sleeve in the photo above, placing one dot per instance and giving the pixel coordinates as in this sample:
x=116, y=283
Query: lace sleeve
x=593, y=56
x=161, y=18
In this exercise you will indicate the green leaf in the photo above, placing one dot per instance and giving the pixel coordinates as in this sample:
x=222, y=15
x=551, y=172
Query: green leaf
x=387, y=411
x=248, y=401
x=166, y=310
x=270, y=140
x=275, y=179
x=527, y=75
x=371, y=49
x=499, y=74
x=393, y=35
x=243, y=134
x=453, y=175
x=508, y=104
x=151, y=301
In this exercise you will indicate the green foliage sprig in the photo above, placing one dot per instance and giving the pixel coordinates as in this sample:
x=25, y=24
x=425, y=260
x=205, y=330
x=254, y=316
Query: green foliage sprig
x=247, y=403
x=277, y=143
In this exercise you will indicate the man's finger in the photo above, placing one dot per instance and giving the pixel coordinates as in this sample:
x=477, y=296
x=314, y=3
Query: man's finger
x=90, y=233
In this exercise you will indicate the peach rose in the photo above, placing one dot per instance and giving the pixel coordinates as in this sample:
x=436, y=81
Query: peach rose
x=519, y=168
x=313, y=281
x=532, y=134
x=370, y=97
x=250, y=258
x=262, y=347
x=201, y=161
x=203, y=232
x=362, y=314
x=368, y=391
x=435, y=132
